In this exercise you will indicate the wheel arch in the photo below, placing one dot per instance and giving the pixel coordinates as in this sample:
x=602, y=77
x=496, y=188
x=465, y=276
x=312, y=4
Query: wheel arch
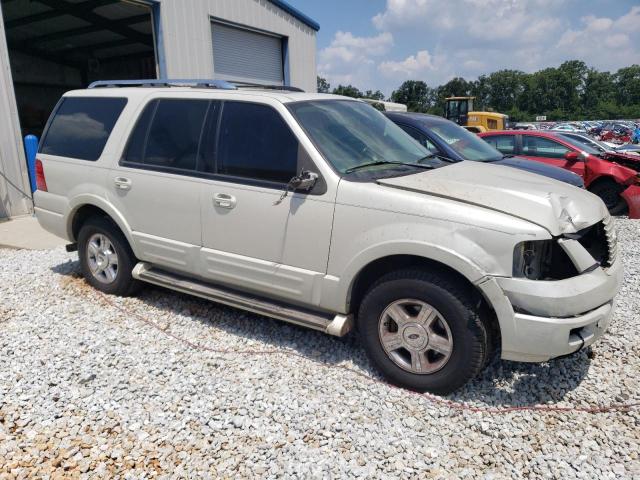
x=373, y=270
x=87, y=206
x=481, y=296
x=613, y=181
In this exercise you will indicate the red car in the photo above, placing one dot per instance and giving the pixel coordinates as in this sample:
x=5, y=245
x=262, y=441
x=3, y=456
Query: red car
x=612, y=177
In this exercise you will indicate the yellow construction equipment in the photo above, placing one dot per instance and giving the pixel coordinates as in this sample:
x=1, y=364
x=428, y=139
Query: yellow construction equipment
x=460, y=110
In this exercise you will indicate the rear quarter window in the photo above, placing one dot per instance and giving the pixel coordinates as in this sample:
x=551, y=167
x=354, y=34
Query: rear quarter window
x=81, y=127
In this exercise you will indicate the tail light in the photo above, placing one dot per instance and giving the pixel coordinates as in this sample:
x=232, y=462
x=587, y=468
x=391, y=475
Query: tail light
x=41, y=183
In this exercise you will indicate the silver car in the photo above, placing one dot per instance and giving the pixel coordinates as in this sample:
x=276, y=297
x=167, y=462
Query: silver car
x=317, y=210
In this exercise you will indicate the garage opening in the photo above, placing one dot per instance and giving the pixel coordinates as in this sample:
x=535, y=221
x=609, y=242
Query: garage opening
x=246, y=55
x=60, y=45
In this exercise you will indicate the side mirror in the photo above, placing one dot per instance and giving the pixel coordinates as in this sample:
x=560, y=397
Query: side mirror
x=305, y=181
x=572, y=156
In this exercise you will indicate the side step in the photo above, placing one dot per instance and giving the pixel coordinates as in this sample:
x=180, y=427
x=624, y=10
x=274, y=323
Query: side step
x=339, y=325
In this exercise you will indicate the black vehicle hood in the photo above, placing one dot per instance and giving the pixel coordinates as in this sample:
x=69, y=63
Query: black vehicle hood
x=540, y=168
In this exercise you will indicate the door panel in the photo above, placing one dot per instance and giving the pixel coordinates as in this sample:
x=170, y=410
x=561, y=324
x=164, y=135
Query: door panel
x=153, y=188
x=277, y=250
x=550, y=152
x=253, y=237
x=166, y=232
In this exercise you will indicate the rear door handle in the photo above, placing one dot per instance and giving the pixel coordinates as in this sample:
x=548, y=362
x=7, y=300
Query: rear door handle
x=122, y=183
x=223, y=200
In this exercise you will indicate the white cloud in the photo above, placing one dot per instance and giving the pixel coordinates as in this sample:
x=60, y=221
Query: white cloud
x=350, y=59
x=473, y=37
x=410, y=66
x=604, y=43
x=485, y=20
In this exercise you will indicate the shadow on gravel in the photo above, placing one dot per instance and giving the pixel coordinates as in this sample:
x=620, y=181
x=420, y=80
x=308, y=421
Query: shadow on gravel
x=501, y=383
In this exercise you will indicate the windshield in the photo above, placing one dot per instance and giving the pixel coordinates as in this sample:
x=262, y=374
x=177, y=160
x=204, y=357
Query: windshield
x=468, y=145
x=585, y=147
x=350, y=133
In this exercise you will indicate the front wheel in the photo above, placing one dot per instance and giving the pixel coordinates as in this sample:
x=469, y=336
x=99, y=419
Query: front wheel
x=609, y=192
x=421, y=330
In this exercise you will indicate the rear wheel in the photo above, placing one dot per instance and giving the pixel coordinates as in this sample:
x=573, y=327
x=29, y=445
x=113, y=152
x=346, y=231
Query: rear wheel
x=609, y=191
x=106, y=258
x=421, y=330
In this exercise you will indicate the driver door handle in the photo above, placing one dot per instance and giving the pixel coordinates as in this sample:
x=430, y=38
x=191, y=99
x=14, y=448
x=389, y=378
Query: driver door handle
x=224, y=200
x=122, y=183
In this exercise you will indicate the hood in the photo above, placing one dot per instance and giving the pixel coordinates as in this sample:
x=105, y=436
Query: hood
x=556, y=206
x=540, y=168
x=614, y=155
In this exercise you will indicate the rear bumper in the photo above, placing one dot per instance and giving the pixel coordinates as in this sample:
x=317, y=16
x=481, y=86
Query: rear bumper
x=632, y=196
x=52, y=222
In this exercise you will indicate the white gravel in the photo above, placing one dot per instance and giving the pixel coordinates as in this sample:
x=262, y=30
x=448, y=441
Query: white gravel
x=88, y=389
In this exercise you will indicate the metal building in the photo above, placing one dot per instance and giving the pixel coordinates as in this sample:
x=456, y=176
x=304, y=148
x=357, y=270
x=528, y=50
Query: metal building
x=50, y=46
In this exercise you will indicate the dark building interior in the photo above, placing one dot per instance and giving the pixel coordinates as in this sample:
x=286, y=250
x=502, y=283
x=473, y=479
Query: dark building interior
x=60, y=45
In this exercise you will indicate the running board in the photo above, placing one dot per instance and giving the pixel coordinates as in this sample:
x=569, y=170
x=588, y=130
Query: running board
x=338, y=326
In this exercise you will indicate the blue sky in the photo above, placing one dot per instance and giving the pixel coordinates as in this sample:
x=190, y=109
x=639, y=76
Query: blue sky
x=377, y=44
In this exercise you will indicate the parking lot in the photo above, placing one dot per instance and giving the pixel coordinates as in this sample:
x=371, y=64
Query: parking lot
x=99, y=385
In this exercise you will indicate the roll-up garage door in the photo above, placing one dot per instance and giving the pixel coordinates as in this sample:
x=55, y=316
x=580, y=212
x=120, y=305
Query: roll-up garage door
x=247, y=56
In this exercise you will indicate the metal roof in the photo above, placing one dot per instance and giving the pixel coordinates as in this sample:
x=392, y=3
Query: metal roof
x=294, y=12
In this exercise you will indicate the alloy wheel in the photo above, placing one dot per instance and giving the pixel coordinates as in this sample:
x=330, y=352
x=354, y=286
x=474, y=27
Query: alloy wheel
x=102, y=258
x=415, y=336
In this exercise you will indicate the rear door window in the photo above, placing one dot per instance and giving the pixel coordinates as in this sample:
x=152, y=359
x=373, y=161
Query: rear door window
x=81, y=127
x=506, y=144
x=167, y=135
x=542, y=147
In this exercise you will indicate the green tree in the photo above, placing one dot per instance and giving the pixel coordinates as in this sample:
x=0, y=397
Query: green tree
x=503, y=89
x=571, y=80
x=415, y=94
x=323, y=85
x=599, y=90
x=377, y=95
x=480, y=90
x=347, y=91
x=627, y=85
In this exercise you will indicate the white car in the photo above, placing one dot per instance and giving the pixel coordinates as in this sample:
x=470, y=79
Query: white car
x=318, y=210
x=568, y=128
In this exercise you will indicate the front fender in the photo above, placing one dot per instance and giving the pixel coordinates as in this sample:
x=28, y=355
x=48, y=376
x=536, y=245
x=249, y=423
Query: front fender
x=619, y=173
x=463, y=265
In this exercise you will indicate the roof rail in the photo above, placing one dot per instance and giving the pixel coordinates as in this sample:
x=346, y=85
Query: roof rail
x=165, y=82
x=287, y=88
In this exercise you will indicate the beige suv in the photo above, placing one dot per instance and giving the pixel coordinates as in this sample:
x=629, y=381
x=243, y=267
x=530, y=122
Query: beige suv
x=317, y=210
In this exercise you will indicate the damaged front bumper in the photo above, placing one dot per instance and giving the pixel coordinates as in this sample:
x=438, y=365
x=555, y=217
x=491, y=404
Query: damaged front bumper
x=540, y=320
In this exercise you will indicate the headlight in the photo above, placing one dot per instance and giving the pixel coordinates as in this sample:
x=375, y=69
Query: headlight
x=528, y=259
x=542, y=260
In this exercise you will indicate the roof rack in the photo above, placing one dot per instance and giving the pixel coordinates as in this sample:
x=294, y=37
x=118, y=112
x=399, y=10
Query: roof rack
x=164, y=82
x=287, y=88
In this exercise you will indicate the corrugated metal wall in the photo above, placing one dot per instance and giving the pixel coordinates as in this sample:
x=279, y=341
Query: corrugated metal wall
x=188, y=52
x=188, y=44
x=13, y=169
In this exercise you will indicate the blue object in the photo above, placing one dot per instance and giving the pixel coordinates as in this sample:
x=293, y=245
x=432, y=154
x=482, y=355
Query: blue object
x=31, y=148
x=423, y=123
x=294, y=12
x=165, y=82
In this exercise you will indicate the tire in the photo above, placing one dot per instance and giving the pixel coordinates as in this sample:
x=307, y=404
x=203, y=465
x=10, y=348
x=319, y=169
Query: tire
x=452, y=346
x=609, y=192
x=107, y=268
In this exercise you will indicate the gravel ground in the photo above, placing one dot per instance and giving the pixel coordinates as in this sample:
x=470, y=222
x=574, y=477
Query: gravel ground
x=89, y=389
